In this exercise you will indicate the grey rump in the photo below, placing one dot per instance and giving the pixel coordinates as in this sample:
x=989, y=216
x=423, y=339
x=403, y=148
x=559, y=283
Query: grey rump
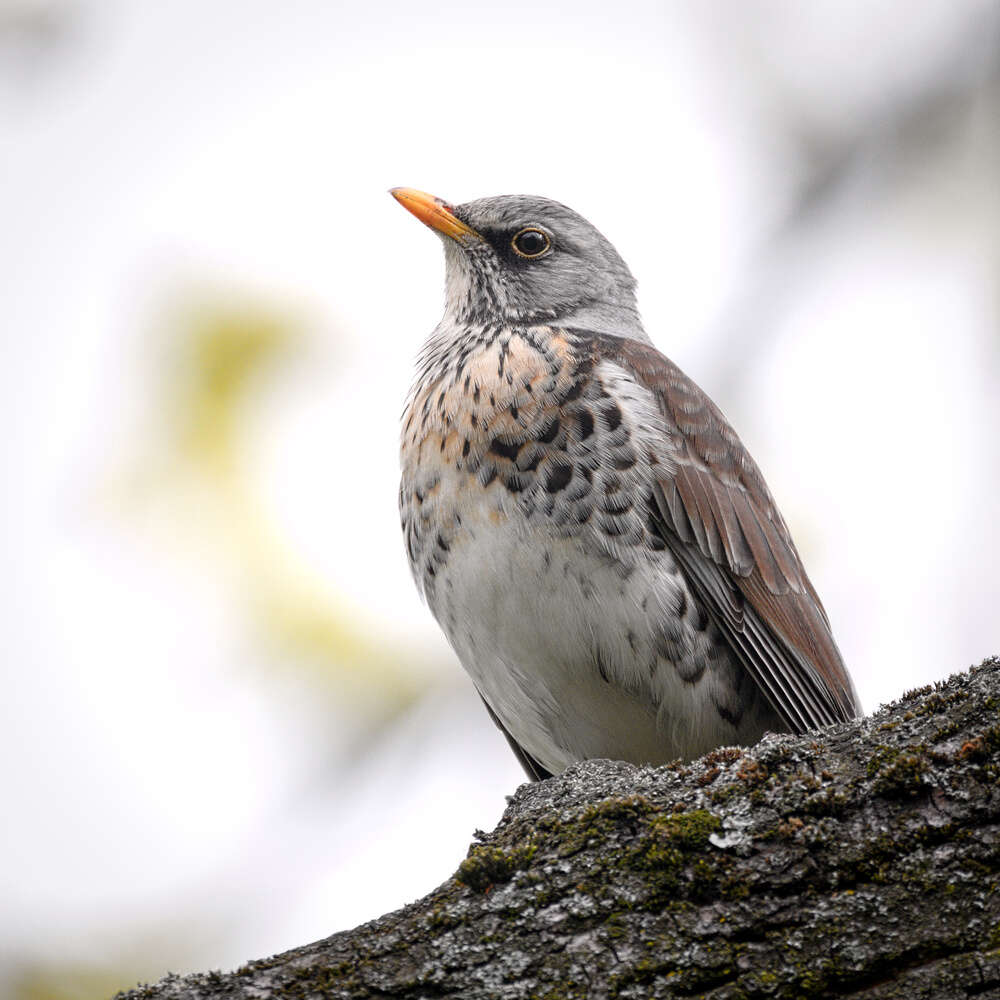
x=593, y=538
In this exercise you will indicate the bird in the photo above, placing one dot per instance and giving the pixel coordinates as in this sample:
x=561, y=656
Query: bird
x=598, y=546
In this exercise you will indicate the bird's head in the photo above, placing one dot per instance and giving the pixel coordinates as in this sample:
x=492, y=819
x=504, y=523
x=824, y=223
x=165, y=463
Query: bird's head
x=519, y=259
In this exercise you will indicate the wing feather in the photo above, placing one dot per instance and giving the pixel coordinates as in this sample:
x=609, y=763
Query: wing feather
x=532, y=768
x=698, y=504
x=716, y=515
x=740, y=557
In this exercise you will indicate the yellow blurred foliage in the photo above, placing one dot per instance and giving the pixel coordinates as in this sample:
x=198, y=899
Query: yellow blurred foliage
x=68, y=982
x=220, y=354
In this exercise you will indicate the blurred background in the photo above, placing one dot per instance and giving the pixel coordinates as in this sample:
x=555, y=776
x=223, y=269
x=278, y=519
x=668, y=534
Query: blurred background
x=228, y=725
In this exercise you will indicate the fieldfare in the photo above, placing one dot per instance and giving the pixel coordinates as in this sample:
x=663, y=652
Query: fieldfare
x=601, y=551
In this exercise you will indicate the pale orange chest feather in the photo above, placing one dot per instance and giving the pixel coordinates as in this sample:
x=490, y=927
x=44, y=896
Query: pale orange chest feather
x=501, y=391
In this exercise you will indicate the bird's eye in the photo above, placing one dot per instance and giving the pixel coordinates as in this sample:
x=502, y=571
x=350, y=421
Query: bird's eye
x=531, y=243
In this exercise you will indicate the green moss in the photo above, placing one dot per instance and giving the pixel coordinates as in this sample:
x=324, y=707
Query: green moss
x=724, y=793
x=689, y=830
x=873, y=862
x=439, y=919
x=488, y=866
x=828, y=802
x=733, y=887
x=881, y=755
x=902, y=777
x=630, y=810
x=936, y=702
x=948, y=729
x=716, y=965
x=663, y=854
x=597, y=822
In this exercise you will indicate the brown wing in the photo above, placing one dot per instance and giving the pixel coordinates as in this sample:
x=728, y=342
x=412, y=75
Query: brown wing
x=718, y=518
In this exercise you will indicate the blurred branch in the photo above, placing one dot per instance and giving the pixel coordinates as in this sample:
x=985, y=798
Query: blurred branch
x=857, y=168
x=32, y=32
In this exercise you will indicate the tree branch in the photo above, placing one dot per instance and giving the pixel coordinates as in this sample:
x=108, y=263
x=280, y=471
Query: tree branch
x=859, y=861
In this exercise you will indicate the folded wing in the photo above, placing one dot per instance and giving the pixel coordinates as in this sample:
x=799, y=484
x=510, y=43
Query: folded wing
x=716, y=515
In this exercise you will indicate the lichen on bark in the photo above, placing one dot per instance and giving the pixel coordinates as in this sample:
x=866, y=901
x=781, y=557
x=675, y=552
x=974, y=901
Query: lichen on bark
x=857, y=861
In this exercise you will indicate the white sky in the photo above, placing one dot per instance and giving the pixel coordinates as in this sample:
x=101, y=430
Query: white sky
x=147, y=762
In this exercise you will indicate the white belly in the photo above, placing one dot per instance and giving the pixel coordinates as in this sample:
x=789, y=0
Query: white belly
x=559, y=642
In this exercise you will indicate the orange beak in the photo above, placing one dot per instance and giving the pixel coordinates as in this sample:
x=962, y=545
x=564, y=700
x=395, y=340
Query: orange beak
x=436, y=213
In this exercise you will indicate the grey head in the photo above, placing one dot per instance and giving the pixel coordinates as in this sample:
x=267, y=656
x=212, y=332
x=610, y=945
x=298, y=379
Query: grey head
x=521, y=259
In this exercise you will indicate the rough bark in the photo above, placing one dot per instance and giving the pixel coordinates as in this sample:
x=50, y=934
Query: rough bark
x=858, y=861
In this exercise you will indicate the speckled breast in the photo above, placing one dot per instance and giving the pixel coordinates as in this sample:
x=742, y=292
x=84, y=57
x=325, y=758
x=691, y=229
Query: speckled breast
x=521, y=424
